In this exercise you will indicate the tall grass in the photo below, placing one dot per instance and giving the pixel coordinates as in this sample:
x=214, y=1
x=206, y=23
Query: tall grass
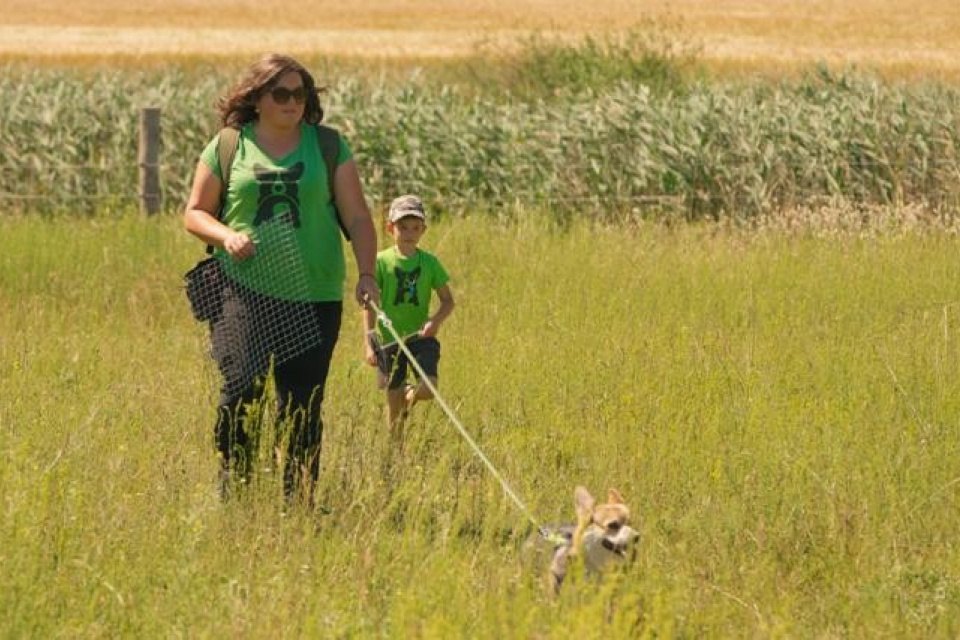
x=781, y=412
x=620, y=138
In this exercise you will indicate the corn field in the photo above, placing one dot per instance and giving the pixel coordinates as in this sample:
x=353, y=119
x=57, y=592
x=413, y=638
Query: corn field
x=712, y=149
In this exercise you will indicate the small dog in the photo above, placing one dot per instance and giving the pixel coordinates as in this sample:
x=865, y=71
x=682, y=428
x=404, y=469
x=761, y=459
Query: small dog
x=602, y=536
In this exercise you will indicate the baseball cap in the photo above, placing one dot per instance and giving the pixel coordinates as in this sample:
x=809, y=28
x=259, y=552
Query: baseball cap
x=406, y=206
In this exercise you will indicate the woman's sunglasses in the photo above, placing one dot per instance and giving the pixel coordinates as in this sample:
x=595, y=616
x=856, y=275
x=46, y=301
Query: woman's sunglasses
x=282, y=95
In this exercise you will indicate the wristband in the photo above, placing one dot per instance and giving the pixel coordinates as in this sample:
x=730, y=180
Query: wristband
x=365, y=275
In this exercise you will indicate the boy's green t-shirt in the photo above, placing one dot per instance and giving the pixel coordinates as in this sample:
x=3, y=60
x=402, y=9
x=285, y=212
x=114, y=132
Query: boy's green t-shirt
x=406, y=285
x=285, y=205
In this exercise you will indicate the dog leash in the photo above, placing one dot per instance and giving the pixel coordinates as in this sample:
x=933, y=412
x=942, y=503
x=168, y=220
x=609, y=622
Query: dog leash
x=554, y=538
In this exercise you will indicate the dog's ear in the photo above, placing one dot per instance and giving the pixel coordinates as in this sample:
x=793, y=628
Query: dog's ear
x=584, y=503
x=615, y=497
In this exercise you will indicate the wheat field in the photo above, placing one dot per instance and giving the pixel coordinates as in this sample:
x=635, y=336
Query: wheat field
x=890, y=35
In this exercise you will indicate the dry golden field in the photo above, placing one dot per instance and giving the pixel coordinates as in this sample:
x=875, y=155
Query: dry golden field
x=893, y=35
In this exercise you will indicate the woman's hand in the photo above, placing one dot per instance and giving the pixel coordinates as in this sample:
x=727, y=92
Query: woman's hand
x=367, y=289
x=239, y=246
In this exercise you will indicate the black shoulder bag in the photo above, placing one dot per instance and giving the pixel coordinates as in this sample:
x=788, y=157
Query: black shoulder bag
x=205, y=282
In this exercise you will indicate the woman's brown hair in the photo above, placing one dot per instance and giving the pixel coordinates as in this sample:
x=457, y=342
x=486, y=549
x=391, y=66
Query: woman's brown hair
x=238, y=107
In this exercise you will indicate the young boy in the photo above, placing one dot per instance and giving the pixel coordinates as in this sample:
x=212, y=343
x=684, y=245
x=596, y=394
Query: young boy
x=407, y=276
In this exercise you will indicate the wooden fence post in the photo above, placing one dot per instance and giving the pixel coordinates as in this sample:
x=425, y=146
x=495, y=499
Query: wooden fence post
x=149, y=160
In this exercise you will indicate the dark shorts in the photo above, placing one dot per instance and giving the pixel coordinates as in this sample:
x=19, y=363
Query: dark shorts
x=394, y=363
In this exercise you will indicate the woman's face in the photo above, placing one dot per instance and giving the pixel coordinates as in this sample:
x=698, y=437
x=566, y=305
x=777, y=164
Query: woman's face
x=282, y=104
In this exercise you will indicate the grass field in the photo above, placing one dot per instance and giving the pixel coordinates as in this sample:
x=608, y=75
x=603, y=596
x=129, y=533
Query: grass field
x=775, y=393
x=782, y=411
x=919, y=37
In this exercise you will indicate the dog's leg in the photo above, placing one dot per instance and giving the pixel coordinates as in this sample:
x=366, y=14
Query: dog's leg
x=558, y=570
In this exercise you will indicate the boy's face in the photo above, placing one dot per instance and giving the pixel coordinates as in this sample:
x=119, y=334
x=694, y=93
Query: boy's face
x=407, y=231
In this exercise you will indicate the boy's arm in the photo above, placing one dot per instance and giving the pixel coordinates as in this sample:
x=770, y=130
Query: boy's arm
x=432, y=325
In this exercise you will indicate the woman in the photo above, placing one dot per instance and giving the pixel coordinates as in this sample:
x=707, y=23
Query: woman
x=276, y=234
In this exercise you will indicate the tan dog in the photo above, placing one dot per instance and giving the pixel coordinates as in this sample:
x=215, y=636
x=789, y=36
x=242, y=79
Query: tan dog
x=602, y=536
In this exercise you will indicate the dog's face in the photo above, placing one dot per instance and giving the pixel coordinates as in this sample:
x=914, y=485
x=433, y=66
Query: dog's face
x=605, y=529
x=603, y=535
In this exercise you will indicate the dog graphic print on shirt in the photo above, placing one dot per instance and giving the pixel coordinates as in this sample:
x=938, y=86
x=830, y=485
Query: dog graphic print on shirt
x=407, y=289
x=279, y=194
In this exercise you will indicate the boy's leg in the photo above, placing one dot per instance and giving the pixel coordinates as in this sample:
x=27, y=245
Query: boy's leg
x=427, y=352
x=396, y=416
x=396, y=412
x=396, y=373
x=419, y=392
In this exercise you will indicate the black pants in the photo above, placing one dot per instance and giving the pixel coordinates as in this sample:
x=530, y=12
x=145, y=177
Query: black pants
x=245, y=340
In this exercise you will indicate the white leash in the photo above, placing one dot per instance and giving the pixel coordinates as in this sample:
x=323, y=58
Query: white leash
x=385, y=321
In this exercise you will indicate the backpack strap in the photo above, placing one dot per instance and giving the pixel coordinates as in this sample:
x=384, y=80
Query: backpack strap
x=329, y=140
x=226, y=150
x=227, y=143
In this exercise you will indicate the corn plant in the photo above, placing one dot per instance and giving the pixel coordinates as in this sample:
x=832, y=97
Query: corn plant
x=717, y=149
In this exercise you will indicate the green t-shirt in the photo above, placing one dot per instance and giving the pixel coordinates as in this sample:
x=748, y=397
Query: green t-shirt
x=285, y=205
x=406, y=285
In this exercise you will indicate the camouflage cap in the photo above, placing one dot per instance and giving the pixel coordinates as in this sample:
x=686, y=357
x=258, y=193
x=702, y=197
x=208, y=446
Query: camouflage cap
x=406, y=206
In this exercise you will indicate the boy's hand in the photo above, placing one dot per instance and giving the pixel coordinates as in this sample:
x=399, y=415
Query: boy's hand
x=430, y=329
x=372, y=348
